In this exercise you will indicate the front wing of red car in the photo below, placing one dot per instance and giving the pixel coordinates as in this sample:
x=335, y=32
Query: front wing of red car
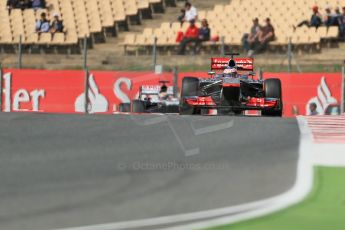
x=251, y=104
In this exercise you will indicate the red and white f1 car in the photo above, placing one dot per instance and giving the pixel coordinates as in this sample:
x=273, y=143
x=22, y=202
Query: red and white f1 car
x=231, y=91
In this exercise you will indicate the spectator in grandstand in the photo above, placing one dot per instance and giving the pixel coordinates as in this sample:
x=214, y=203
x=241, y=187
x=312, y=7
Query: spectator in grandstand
x=337, y=12
x=249, y=39
x=181, y=17
x=313, y=109
x=315, y=20
x=265, y=36
x=11, y=4
x=191, y=36
x=57, y=25
x=342, y=24
x=43, y=25
x=339, y=21
x=37, y=4
x=204, y=34
x=191, y=13
x=23, y=4
x=330, y=19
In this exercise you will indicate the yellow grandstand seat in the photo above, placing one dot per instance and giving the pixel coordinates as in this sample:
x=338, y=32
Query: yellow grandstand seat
x=155, y=1
x=106, y=13
x=119, y=12
x=130, y=7
x=45, y=38
x=31, y=38
x=58, y=39
x=71, y=37
x=143, y=4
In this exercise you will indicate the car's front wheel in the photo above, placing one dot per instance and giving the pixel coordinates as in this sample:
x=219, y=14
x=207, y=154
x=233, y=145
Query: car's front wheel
x=190, y=88
x=273, y=89
x=125, y=107
x=137, y=106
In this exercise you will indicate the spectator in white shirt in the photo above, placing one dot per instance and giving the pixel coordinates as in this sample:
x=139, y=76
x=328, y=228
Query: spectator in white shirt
x=191, y=12
x=43, y=25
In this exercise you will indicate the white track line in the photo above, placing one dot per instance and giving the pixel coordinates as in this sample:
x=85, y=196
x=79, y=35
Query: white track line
x=175, y=218
x=237, y=213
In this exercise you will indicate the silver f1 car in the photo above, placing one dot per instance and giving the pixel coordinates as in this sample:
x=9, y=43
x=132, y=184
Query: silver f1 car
x=154, y=99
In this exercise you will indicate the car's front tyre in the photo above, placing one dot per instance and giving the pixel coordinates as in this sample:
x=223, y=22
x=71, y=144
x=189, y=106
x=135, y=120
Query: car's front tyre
x=190, y=88
x=273, y=89
x=125, y=107
x=137, y=106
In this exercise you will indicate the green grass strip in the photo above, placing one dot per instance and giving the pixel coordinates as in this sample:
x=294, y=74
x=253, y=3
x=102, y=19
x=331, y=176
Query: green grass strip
x=323, y=209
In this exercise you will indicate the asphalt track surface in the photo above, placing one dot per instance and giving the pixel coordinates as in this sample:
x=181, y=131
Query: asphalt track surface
x=59, y=171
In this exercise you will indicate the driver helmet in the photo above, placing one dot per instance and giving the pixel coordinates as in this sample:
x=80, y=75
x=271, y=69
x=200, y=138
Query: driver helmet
x=164, y=89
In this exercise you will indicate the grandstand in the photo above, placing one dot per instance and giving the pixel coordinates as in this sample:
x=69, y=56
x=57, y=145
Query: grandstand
x=92, y=18
x=115, y=27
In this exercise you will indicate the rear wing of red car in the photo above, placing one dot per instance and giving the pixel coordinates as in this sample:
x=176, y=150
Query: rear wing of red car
x=243, y=64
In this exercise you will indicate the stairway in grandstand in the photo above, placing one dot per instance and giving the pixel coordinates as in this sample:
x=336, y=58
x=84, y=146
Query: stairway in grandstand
x=116, y=45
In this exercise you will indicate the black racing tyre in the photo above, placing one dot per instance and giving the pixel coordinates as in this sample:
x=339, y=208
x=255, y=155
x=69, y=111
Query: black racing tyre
x=137, y=106
x=273, y=89
x=125, y=107
x=190, y=88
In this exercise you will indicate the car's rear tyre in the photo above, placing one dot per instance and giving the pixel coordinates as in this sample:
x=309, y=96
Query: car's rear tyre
x=125, y=107
x=273, y=89
x=137, y=106
x=190, y=88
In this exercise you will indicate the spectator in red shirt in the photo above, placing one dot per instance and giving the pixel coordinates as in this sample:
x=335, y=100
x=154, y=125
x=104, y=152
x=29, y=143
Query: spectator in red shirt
x=191, y=35
x=315, y=20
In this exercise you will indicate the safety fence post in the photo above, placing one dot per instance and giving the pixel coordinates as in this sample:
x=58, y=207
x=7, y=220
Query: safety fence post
x=261, y=74
x=1, y=90
x=20, y=52
x=289, y=55
x=343, y=90
x=175, y=80
x=85, y=52
x=222, y=47
x=86, y=91
x=154, y=52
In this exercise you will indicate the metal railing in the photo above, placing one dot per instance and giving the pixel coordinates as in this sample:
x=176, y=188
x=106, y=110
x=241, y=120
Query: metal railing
x=222, y=50
x=84, y=44
x=291, y=57
x=20, y=51
x=86, y=91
